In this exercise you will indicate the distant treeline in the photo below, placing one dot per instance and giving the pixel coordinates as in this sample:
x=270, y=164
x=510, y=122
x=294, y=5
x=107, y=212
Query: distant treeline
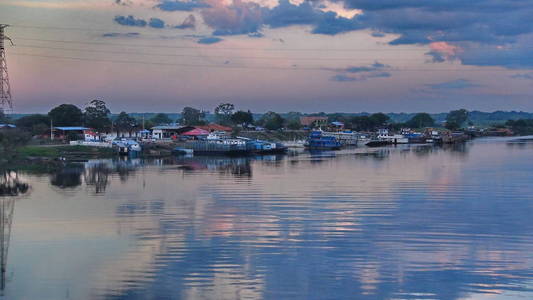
x=476, y=117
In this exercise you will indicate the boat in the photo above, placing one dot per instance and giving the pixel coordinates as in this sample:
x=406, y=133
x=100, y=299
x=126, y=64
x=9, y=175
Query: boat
x=317, y=141
x=264, y=147
x=378, y=143
x=346, y=138
x=216, y=145
x=126, y=147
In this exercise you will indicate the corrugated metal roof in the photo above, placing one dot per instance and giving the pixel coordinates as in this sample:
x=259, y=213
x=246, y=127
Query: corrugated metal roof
x=71, y=128
x=168, y=127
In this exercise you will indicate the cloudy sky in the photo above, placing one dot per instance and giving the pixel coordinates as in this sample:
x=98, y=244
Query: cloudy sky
x=339, y=55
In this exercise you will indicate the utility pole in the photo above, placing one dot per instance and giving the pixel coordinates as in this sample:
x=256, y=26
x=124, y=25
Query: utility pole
x=5, y=89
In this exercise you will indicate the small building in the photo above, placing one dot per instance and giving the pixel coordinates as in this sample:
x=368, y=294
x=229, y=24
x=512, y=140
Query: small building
x=314, y=122
x=172, y=131
x=91, y=136
x=144, y=134
x=72, y=133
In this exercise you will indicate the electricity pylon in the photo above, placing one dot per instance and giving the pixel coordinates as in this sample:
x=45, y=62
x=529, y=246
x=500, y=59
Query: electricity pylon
x=6, y=103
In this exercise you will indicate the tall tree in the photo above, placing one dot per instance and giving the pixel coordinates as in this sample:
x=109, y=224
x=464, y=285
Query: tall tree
x=379, y=119
x=160, y=119
x=192, y=116
x=456, y=118
x=36, y=124
x=421, y=120
x=242, y=118
x=272, y=120
x=125, y=123
x=3, y=117
x=97, y=116
x=66, y=115
x=223, y=112
x=362, y=123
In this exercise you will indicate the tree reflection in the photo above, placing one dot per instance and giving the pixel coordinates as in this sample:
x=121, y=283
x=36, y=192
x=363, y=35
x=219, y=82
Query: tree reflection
x=11, y=185
x=97, y=176
x=68, y=177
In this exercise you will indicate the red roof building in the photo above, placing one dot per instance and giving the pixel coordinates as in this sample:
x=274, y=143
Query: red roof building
x=214, y=127
x=196, y=132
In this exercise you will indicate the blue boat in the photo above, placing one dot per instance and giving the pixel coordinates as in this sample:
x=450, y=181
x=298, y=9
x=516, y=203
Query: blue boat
x=264, y=147
x=317, y=141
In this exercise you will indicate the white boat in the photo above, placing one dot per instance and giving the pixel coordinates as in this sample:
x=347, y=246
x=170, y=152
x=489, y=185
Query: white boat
x=394, y=139
x=347, y=138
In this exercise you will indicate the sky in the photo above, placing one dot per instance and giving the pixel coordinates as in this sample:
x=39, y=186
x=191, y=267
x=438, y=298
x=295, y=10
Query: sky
x=262, y=55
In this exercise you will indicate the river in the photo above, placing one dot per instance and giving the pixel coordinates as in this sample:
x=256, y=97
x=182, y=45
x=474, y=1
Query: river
x=406, y=222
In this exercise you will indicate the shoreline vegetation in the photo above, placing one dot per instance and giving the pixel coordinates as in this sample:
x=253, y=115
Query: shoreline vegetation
x=25, y=139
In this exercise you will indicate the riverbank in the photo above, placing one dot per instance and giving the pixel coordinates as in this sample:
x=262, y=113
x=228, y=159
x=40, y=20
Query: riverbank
x=50, y=157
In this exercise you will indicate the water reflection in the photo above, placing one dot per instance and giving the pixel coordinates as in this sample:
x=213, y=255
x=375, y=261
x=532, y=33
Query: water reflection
x=67, y=177
x=392, y=223
x=10, y=187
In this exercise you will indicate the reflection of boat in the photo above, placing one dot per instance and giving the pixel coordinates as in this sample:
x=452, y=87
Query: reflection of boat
x=317, y=141
x=378, y=143
x=183, y=151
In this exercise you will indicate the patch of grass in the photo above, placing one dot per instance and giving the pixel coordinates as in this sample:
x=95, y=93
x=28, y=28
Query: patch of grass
x=59, y=151
x=36, y=151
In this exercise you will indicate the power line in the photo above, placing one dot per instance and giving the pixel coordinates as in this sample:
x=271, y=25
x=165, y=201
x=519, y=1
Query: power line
x=224, y=56
x=226, y=66
x=199, y=56
x=215, y=48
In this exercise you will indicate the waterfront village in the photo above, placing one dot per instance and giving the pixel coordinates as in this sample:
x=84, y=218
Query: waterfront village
x=227, y=132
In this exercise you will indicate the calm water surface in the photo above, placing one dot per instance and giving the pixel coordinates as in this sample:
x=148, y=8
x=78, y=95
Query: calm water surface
x=390, y=223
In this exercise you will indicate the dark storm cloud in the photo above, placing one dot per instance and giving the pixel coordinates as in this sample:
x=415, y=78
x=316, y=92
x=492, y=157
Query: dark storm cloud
x=478, y=27
x=361, y=73
x=513, y=56
x=209, y=40
x=130, y=21
x=485, y=32
x=360, y=77
x=138, y=22
x=342, y=78
x=181, y=5
x=156, y=23
x=121, y=35
x=248, y=17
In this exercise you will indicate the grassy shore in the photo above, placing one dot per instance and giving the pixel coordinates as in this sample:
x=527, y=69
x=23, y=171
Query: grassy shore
x=63, y=151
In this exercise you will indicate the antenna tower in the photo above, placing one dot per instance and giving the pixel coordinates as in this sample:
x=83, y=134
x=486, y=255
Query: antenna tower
x=6, y=103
